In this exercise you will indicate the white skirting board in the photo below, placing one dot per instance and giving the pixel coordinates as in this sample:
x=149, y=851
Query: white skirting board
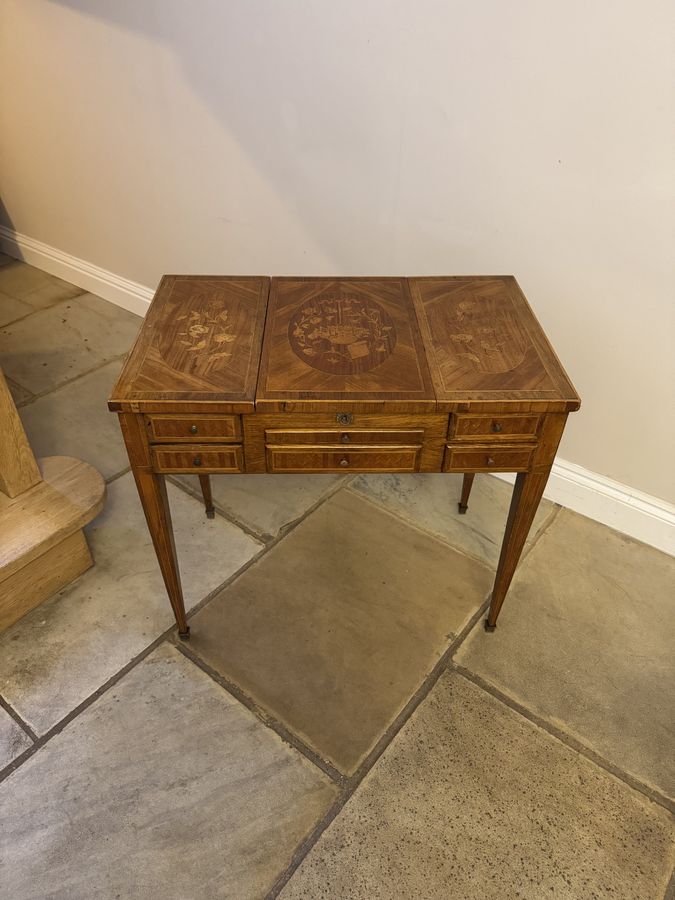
x=120, y=291
x=639, y=515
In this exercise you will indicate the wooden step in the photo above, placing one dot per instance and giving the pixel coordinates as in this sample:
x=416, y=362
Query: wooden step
x=41, y=544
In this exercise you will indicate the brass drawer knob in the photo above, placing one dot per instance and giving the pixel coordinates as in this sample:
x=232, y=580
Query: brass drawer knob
x=497, y=427
x=344, y=418
x=344, y=461
x=197, y=461
x=490, y=461
x=345, y=438
x=193, y=429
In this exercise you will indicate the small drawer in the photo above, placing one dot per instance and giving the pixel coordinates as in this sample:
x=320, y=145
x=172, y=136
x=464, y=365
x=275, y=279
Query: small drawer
x=472, y=428
x=487, y=459
x=346, y=436
x=194, y=428
x=339, y=459
x=198, y=458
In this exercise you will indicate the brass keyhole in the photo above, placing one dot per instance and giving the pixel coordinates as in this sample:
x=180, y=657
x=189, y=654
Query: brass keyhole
x=344, y=462
x=345, y=438
x=197, y=461
x=193, y=429
x=497, y=426
x=490, y=461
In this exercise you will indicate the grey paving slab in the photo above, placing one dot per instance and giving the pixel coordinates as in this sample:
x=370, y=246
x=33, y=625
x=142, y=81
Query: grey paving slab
x=55, y=345
x=33, y=286
x=265, y=503
x=74, y=421
x=430, y=502
x=57, y=655
x=11, y=308
x=586, y=640
x=18, y=392
x=473, y=802
x=337, y=625
x=13, y=739
x=164, y=788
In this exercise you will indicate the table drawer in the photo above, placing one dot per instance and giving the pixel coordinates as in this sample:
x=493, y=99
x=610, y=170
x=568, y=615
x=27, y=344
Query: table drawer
x=485, y=459
x=408, y=438
x=198, y=458
x=467, y=427
x=194, y=428
x=341, y=459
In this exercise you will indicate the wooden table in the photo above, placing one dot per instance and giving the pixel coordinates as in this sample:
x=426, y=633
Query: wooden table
x=252, y=374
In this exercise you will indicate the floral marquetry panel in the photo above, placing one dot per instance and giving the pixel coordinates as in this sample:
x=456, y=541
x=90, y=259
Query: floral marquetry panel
x=349, y=341
x=200, y=341
x=484, y=343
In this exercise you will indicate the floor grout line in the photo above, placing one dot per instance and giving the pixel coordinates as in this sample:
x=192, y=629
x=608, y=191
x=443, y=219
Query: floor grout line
x=446, y=541
x=117, y=475
x=9, y=709
x=260, y=536
x=384, y=741
x=68, y=381
x=266, y=718
x=670, y=890
x=39, y=309
x=571, y=742
x=41, y=740
x=56, y=729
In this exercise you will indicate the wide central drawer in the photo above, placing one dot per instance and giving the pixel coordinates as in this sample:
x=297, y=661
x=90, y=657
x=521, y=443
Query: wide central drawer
x=378, y=437
x=198, y=458
x=340, y=459
x=194, y=428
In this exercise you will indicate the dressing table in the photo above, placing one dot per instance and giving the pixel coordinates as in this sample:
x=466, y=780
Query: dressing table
x=245, y=375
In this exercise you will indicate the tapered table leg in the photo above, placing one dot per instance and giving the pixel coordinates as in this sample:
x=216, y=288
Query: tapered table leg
x=155, y=503
x=524, y=503
x=463, y=504
x=205, y=483
x=152, y=491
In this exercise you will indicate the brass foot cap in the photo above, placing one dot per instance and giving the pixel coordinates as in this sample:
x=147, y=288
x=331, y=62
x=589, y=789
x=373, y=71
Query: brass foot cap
x=489, y=627
x=184, y=635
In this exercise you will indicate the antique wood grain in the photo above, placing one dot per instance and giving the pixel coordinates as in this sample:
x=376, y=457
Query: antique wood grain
x=493, y=427
x=353, y=374
x=151, y=488
x=197, y=458
x=345, y=436
x=18, y=468
x=340, y=459
x=433, y=427
x=527, y=494
x=200, y=341
x=194, y=428
x=205, y=485
x=347, y=342
x=467, y=483
x=487, y=458
x=484, y=343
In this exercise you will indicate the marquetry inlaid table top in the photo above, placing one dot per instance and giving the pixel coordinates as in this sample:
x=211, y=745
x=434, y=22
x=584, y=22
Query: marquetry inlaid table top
x=241, y=375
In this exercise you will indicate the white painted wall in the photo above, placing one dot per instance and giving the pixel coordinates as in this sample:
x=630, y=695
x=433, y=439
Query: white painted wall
x=369, y=136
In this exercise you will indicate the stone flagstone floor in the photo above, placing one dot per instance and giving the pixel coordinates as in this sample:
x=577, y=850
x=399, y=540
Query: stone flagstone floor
x=339, y=725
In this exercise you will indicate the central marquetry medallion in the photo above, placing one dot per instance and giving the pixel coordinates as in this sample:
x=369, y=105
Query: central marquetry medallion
x=341, y=335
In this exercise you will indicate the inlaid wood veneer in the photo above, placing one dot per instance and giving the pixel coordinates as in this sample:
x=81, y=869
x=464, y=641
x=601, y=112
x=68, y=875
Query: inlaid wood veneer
x=253, y=374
